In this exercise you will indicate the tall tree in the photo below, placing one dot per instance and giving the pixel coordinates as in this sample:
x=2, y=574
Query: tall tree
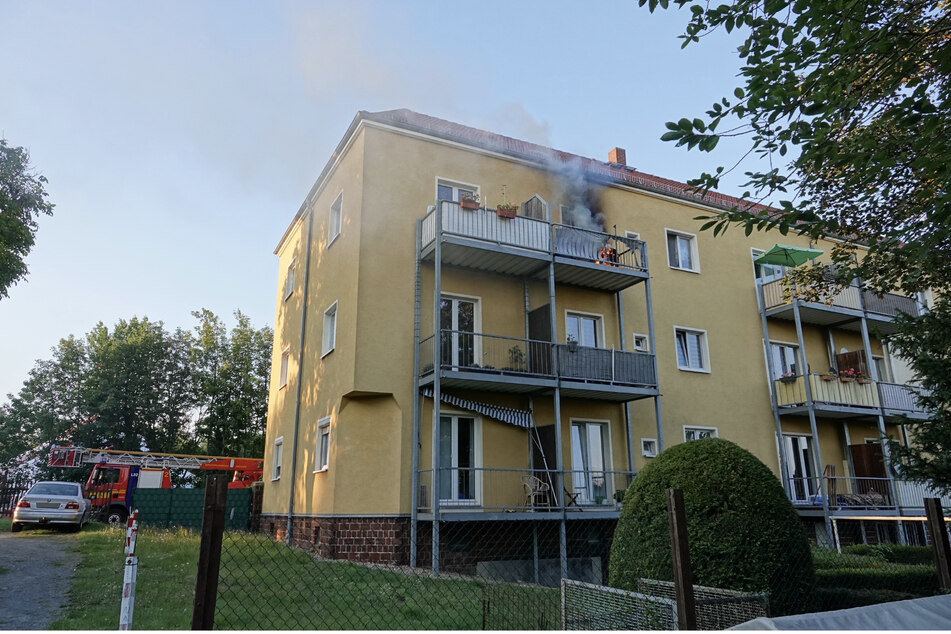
x=847, y=107
x=23, y=199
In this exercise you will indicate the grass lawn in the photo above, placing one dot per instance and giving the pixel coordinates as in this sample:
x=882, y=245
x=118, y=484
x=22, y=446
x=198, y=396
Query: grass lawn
x=265, y=585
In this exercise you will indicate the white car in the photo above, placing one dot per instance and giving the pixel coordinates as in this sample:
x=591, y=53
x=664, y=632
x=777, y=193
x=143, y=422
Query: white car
x=59, y=503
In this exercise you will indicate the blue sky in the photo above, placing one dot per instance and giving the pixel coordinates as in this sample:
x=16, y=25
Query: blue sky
x=180, y=138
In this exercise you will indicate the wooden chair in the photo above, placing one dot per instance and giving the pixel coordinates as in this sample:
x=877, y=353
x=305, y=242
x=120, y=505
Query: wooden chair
x=536, y=491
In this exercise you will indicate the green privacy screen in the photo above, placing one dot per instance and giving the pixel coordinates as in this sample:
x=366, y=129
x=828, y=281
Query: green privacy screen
x=184, y=507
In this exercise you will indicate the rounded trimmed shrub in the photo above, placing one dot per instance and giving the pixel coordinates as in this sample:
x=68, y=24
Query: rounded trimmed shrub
x=743, y=532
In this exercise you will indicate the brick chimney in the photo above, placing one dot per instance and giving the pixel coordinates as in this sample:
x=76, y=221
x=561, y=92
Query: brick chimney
x=617, y=156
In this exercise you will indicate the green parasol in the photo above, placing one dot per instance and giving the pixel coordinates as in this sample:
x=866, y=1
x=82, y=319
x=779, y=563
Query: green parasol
x=785, y=255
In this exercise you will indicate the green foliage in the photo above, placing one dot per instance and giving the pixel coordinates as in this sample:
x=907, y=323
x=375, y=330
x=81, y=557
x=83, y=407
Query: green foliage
x=925, y=342
x=137, y=385
x=921, y=580
x=744, y=534
x=914, y=555
x=842, y=598
x=23, y=199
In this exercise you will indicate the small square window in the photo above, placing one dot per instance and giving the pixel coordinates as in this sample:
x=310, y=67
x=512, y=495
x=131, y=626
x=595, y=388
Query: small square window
x=322, y=455
x=285, y=366
x=330, y=330
x=278, y=458
x=641, y=343
x=649, y=447
x=698, y=433
x=336, y=219
x=682, y=251
x=692, y=352
x=291, y=278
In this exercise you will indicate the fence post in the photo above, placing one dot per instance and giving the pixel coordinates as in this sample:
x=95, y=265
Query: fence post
x=209, y=554
x=939, y=541
x=683, y=576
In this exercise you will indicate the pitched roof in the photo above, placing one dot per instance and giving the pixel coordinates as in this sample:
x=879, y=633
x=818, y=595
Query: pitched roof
x=610, y=172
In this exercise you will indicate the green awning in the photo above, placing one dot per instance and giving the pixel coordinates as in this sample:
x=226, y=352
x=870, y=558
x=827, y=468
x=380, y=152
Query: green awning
x=785, y=255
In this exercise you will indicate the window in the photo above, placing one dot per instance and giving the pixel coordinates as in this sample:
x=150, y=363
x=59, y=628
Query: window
x=536, y=208
x=882, y=369
x=649, y=447
x=458, y=460
x=336, y=219
x=766, y=272
x=697, y=433
x=641, y=343
x=632, y=235
x=800, y=483
x=330, y=330
x=682, y=251
x=278, y=458
x=459, y=326
x=290, y=280
x=589, y=461
x=322, y=455
x=692, y=352
x=783, y=359
x=285, y=365
x=585, y=329
x=447, y=190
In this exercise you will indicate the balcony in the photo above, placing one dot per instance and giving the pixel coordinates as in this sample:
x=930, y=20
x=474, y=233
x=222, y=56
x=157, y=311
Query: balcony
x=524, y=247
x=857, y=496
x=478, y=361
x=842, y=310
x=837, y=398
x=470, y=493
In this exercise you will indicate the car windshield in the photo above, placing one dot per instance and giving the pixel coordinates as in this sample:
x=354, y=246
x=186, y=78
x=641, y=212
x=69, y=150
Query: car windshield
x=54, y=488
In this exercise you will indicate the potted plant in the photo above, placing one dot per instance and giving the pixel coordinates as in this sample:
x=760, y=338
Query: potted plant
x=506, y=209
x=469, y=201
x=572, y=344
x=830, y=375
x=863, y=378
x=848, y=375
x=788, y=377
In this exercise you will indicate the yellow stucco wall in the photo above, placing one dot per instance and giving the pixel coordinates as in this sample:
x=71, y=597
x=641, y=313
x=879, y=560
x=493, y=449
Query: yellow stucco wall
x=387, y=180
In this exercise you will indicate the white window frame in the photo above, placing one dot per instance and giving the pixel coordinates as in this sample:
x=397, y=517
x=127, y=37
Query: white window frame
x=715, y=431
x=285, y=367
x=476, y=459
x=477, y=325
x=456, y=186
x=694, y=250
x=322, y=462
x=755, y=253
x=335, y=219
x=886, y=364
x=599, y=326
x=290, y=280
x=704, y=350
x=646, y=346
x=632, y=234
x=278, y=459
x=329, y=334
x=649, y=447
x=786, y=344
x=608, y=457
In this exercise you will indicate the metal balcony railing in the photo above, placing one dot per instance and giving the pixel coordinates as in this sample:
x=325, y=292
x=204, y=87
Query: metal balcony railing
x=504, y=490
x=538, y=236
x=844, y=492
x=777, y=293
x=889, y=304
x=900, y=397
x=832, y=391
x=494, y=354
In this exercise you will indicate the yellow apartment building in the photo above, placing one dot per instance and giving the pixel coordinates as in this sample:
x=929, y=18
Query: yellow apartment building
x=444, y=368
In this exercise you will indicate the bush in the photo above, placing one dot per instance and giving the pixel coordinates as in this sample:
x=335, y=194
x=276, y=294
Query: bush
x=842, y=598
x=921, y=580
x=914, y=555
x=744, y=533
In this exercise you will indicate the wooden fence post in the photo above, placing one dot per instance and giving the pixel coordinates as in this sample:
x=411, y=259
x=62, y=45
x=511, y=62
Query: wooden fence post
x=939, y=541
x=209, y=554
x=683, y=575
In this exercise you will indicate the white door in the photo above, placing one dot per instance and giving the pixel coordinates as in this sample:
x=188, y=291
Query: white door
x=800, y=473
x=589, y=460
x=458, y=474
x=457, y=324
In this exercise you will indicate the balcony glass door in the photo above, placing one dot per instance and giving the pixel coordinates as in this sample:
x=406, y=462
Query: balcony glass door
x=589, y=461
x=457, y=324
x=800, y=479
x=457, y=460
x=783, y=359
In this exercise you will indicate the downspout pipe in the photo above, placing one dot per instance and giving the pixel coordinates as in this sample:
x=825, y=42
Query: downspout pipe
x=300, y=376
x=414, y=493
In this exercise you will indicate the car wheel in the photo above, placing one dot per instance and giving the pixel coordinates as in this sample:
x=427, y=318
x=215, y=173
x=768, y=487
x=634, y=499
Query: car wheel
x=16, y=528
x=116, y=516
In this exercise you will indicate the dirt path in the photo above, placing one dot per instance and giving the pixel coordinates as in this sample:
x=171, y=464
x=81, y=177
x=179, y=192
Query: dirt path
x=35, y=575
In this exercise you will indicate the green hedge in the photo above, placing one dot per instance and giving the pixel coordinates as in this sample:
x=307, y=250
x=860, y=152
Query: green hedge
x=744, y=533
x=915, y=555
x=921, y=580
x=842, y=598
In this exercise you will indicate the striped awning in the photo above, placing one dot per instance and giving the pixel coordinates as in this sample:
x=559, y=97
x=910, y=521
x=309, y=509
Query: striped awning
x=510, y=415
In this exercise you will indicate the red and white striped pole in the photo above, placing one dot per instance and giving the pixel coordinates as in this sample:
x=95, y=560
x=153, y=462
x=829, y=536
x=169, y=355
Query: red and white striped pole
x=131, y=571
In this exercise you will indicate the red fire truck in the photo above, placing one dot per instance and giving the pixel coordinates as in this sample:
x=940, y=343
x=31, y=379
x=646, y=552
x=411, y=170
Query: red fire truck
x=117, y=474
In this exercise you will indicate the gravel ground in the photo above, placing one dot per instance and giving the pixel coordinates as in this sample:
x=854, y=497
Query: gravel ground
x=35, y=575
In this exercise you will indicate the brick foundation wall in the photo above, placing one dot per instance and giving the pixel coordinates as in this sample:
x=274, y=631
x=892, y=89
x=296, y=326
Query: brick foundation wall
x=378, y=540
